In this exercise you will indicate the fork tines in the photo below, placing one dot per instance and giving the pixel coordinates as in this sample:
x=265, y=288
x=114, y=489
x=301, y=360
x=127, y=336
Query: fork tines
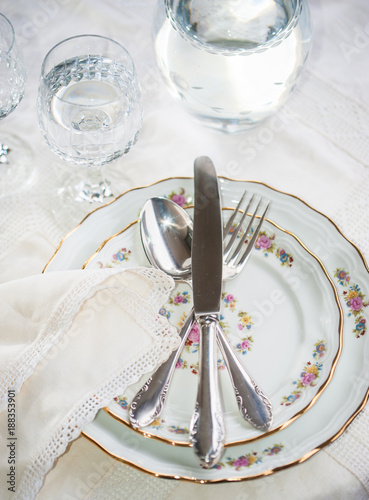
x=249, y=235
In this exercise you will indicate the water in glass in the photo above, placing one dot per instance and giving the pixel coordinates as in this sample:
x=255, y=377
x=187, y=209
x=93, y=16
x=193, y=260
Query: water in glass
x=90, y=109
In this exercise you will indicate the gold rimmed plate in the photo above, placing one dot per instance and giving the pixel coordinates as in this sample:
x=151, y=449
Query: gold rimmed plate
x=282, y=316
x=341, y=401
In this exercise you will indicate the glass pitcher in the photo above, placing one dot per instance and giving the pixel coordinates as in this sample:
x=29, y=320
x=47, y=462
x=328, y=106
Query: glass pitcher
x=232, y=63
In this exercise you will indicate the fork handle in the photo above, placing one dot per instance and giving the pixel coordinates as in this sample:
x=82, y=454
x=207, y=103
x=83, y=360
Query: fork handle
x=148, y=403
x=254, y=406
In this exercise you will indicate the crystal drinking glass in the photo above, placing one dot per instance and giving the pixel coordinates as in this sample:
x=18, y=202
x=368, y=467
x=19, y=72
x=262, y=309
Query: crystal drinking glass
x=12, y=83
x=89, y=109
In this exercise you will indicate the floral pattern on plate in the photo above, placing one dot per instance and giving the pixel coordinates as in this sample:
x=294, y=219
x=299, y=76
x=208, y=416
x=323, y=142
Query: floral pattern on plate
x=309, y=375
x=266, y=243
x=249, y=459
x=355, y=301
x=181, y=198
x=242, y=345
x=120, y=256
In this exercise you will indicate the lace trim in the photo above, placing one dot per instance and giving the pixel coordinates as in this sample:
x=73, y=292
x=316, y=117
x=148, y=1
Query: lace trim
x=166, y=340
x=163, y=284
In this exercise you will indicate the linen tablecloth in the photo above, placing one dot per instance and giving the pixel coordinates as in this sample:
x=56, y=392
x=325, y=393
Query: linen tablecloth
x=317, y=148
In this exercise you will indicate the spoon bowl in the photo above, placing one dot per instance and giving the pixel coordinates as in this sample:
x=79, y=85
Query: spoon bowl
x=166, y=234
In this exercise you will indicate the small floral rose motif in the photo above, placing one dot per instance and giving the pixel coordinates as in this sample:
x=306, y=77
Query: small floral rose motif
x=245, y=320
x=356, y=303
x=284, y=257
x=165, y=312
x=354, y=299
x=266, y=243
x=360, y=329
x=218, y=466
x=320, y=349
x=263, y=242
x=178, y=430
x=245, y=345
x=181, y=364
x=244, y=461
x=232, y=229
x=194, y=335
x=241, y=462
x=342, y=276
x=157, y=424
x=122, y=402
x=180, y=198
x=274, y=450
x=289, y=400
x=180, y=298
x=229, y=301
x=121, y=255
x=220, y=364
x=308, y=376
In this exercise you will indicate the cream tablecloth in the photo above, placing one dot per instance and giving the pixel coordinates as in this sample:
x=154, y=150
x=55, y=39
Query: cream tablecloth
x=316, y=148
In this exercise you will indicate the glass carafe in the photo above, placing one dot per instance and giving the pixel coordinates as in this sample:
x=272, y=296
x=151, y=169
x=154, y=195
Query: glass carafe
x=232, y=63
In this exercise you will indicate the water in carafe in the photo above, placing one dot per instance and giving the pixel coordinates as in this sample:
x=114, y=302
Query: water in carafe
x=232, y=62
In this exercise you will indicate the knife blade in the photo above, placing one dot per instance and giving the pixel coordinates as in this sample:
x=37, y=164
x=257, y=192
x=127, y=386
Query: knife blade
x=207, y=424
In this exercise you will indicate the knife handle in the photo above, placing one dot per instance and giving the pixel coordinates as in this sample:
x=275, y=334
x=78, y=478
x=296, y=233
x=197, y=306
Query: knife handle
x=254, y=406
x=207, y=425
x=148, y=403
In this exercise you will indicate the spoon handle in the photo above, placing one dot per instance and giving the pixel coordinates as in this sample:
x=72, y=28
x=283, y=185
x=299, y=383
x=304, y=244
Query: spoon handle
x=148, y=403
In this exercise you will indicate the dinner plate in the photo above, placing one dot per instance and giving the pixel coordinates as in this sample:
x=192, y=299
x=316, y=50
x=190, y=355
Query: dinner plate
x=341, y=401
x=282, y=316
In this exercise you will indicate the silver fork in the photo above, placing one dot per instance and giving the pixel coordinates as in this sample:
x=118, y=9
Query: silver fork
x=253, y=405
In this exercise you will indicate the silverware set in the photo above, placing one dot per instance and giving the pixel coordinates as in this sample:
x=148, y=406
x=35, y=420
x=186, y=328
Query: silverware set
x=204, y=255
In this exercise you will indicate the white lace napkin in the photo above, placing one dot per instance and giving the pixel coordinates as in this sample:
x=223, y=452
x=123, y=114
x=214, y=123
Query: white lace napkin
x=69, y=343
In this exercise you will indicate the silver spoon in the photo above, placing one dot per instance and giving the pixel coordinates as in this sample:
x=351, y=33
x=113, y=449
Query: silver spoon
x=166, y=233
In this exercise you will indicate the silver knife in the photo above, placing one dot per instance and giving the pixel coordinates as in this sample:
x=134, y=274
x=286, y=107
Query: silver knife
x=207, y=425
